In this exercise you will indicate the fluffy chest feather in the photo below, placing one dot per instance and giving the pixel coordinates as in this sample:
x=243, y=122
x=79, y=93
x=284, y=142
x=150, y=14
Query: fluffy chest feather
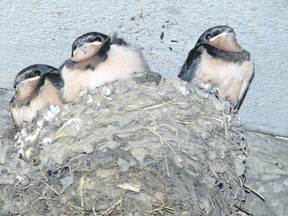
x=119, y=65
x=48, y=94
x=231, y=79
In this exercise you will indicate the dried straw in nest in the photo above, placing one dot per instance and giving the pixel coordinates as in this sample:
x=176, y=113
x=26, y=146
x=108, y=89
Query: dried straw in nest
x=130, y=148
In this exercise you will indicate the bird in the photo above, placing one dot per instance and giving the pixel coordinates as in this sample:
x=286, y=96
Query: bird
x=220, y=64
x=98, y=59
x=36, y=87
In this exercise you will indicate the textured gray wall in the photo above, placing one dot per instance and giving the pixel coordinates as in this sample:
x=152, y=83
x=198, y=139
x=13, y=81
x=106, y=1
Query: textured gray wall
x=42, y=32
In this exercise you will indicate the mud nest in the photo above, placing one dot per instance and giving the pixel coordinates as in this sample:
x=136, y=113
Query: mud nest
x=128, y=148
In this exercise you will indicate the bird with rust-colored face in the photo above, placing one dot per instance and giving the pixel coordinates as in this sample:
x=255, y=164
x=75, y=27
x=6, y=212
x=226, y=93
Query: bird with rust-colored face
x=36, y=87
x=98, y=59
x=221, y=64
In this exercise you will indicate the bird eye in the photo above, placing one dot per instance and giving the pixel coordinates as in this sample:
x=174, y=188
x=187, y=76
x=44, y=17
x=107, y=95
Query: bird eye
x=208, y=36
x=98, y=39
x=217, y=32
x=36, y=73
x=74, y=47
x=93, y=39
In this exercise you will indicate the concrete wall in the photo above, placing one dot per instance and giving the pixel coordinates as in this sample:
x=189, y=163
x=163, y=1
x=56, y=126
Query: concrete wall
x=42, y=32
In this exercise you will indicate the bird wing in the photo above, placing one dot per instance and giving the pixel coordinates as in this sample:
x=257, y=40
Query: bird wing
x=54, y=78
x=102, y=53
x=190, y=66
x=118, y=41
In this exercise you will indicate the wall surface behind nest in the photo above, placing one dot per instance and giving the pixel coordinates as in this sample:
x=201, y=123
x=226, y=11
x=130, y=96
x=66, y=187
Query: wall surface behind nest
x=43, y=31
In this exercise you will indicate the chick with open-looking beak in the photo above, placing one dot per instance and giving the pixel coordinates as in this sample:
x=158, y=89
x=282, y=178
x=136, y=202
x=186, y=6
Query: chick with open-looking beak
x=36, y=87
x=98, y=59
x=221, y=64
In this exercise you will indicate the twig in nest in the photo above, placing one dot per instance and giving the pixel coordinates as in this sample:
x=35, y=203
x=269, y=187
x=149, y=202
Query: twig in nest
x=36, y=192
x=155, y=106
x=157, y=197
x=43, y=174
x=249, y=189
x=51, y=188
x=59, y=134
x=225, y=123
x=33, y=210
x=161, y=207
x=181, y=121
x=243, y=210
x=41, y=197
x=12, y=169
x=216, y=119
x=281, y=137
x=130, y=186
x=111, y=209
x=163, y=140
x=82, y=180
x=167, y=168
x=148, y=87
x=237, y=179
x=94, y=211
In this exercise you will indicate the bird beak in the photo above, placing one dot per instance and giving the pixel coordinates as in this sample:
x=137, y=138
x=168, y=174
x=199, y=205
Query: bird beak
x=223, y=34
x=16, y=84
x=86, y=51
x=83, y=47
x=231, y=31
x=20, y=82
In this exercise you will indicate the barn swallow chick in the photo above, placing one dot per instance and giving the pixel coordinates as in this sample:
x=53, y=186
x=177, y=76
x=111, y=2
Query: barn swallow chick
x=220, y=64
x=98, y=59
x=36, y=87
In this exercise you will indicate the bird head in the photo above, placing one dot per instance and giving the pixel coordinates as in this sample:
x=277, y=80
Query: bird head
x=27, y=79
x=222, y=37
x=87, y=46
